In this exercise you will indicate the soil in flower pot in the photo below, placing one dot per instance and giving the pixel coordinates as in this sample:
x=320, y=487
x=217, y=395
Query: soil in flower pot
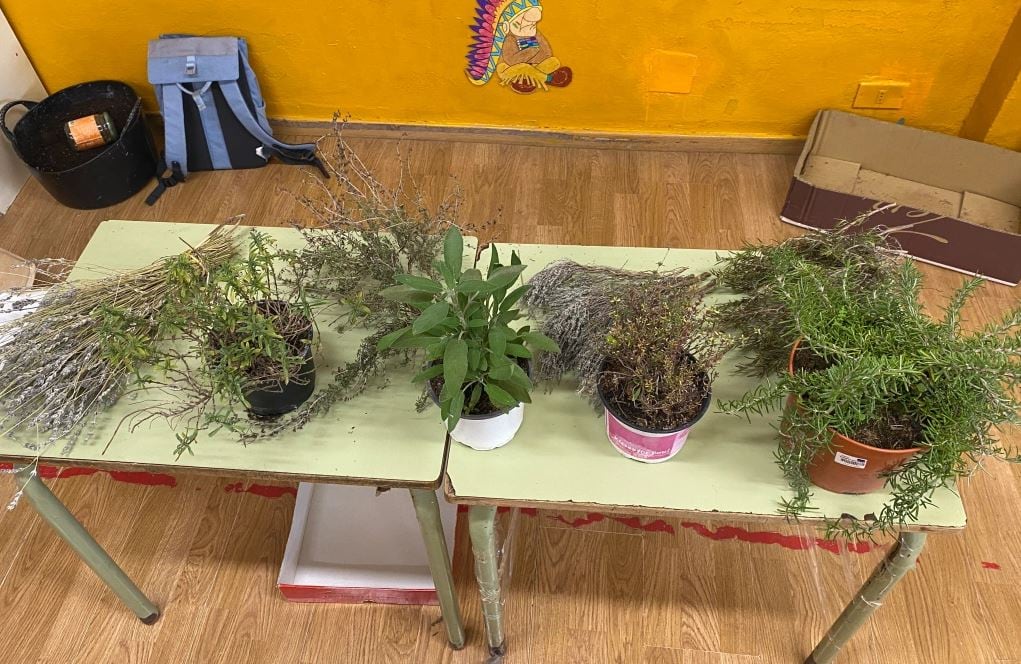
x=653, y=439
x=860, y=462
x=277, y=398
x=486, y=427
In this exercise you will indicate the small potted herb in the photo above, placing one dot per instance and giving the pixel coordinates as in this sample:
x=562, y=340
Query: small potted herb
x=476, y=360
x=238, y=345
x=640, y=343
x=660, y=359
x=878, y=393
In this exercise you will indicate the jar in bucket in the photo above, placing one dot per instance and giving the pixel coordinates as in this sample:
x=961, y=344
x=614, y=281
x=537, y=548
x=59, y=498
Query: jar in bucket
x=644, y=445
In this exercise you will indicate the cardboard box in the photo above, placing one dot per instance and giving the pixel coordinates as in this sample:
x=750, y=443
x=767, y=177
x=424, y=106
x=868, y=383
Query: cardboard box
x=349, y=544
x=949, y=201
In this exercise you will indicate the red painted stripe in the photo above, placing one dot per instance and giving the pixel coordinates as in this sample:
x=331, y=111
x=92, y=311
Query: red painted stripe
x=48, y=472
x=792, y=542
x=988, y=565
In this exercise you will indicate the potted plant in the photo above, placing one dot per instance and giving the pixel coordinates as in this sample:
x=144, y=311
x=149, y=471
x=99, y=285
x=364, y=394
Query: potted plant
x=236, y=346
x=640, y=343
x=574, y=305
x=476, y=360
x=655, y=382
x=878, y=393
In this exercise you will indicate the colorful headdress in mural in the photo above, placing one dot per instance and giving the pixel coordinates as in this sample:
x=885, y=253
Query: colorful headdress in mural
x=490, y=33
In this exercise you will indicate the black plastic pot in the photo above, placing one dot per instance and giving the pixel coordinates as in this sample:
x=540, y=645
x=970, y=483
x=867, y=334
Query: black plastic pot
x=281, y=398
x=609, y=405
x=94, y=178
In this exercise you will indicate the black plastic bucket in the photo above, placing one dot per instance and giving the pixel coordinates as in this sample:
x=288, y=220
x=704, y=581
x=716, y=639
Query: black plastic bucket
x=92, y=178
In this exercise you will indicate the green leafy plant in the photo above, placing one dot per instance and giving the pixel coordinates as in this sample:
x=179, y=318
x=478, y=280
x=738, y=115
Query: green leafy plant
x=876, y=368
x=464, y=325
x=764, y=325
x=225, y=333
x=660, y=355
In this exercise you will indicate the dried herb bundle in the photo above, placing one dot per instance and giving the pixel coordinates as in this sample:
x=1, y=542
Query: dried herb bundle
x=661, y=353
x=55, y=360
x=365, y=233
x=764, y=324
x=574, y=305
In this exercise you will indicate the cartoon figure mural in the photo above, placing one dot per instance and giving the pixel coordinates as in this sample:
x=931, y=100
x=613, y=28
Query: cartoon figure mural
x=508, y=42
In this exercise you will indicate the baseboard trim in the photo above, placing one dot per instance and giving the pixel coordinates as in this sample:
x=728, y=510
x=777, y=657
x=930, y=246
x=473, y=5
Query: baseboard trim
x=539, y=137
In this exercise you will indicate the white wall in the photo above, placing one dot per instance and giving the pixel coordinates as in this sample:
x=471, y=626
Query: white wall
x=17, y=81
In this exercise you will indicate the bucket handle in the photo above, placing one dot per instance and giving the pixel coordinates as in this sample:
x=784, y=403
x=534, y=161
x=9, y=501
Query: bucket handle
x=3, y=115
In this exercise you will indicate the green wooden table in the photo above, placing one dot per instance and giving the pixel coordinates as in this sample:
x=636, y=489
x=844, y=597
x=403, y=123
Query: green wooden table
x=376, y=439
x=561, y=459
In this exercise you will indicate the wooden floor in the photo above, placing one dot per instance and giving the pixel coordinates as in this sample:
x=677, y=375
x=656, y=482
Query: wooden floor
x=584, y=588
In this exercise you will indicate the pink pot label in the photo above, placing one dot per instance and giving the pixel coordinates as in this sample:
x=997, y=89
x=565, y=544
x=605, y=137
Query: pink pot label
x=643, y=446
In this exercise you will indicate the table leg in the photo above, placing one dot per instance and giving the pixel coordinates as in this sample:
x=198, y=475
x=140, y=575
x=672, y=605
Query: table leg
x=890, y=570
x=482, y=526
x=427, y=508
x=71, y=531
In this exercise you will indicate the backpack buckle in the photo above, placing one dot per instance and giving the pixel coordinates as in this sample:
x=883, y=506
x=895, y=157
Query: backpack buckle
x=191, y=67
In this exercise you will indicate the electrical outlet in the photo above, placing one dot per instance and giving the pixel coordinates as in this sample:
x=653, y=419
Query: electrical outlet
x=880, y=94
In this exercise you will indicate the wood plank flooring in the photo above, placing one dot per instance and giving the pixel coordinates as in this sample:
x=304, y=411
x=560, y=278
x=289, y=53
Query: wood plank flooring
x=584, y=587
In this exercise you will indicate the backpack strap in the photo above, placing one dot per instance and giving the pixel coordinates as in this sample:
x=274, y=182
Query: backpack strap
x=300, y=154
x=175, y=150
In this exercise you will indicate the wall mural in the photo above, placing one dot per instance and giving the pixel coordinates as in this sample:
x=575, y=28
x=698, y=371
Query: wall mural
x=508, y=42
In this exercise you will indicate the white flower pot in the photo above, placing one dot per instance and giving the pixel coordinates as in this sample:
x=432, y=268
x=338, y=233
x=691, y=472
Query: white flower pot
x=488, y=432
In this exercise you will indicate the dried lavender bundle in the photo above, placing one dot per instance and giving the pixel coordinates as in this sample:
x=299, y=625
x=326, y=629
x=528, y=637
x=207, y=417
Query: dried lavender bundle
x=56, y=362
x=574, y=304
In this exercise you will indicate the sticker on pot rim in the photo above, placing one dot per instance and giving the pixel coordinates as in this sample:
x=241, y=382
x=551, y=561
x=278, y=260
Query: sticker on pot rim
x=848, y=460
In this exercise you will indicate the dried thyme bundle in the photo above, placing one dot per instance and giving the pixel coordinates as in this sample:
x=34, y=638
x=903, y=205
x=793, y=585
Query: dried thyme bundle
x=57, y=361
x=365, y=233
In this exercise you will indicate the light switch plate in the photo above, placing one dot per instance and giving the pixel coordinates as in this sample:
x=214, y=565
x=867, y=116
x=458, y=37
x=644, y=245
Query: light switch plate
x=880, y=94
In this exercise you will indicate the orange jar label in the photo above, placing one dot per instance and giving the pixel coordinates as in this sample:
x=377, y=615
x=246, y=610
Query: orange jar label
x=85, y=133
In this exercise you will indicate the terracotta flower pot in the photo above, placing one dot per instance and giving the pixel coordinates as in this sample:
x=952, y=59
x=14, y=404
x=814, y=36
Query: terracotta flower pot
x=848, y=466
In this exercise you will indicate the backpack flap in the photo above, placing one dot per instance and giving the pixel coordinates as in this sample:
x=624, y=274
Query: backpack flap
x=193, y=60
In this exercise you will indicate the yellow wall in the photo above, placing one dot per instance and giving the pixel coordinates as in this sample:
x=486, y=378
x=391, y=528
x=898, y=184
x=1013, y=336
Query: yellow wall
x=1006, y=131
x=764, y=66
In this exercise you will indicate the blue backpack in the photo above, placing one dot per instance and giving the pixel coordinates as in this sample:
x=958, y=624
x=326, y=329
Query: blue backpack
x=213, y=113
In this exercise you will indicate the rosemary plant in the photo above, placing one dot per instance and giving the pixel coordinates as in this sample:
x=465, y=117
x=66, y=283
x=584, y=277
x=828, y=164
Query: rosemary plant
x=61, y=367
x=763, y=324
x=885, y=373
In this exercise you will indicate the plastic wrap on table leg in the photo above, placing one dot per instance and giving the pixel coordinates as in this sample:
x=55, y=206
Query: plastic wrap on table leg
x=492, y=537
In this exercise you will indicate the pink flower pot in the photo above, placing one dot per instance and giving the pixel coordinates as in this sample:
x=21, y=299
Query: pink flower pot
x=648, y=446
x=643, y=446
